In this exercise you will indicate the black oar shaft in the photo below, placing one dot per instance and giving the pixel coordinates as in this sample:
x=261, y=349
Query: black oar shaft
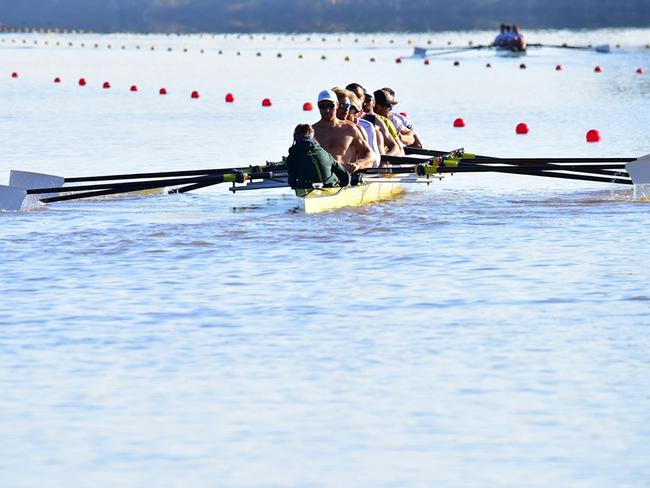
x=150, y=185
x=545, y=173
x=385, y=158
x=168, y=174
x=89, y=194
x=159, y=174
x=126, y=186
x=133, y=187
x=482, y=159
x=478, y=158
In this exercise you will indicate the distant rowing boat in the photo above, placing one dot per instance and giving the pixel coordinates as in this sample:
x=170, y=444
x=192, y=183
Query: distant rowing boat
x=502, y=51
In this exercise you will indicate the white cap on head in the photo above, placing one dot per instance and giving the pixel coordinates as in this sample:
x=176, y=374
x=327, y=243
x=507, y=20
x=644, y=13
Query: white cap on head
x=328, y=95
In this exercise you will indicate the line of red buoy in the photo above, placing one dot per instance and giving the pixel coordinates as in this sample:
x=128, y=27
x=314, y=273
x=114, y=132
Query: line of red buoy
x=522, y=128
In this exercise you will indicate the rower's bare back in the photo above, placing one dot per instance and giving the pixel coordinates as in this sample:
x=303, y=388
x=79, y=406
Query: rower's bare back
x=339, y=141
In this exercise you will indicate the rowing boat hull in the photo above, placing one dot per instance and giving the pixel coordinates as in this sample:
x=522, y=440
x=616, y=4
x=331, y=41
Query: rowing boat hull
x=506, y=52
x=326, y=199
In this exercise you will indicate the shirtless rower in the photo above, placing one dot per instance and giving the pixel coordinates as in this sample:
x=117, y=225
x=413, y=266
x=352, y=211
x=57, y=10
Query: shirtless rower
x=340, y=138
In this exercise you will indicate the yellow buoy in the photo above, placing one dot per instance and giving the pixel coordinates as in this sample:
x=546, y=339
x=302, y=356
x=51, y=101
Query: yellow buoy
x=347, y=58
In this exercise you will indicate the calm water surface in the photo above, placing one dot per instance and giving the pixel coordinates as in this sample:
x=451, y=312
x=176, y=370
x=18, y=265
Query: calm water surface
x=485, y=331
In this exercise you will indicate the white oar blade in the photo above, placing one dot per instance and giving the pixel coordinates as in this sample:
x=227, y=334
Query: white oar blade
x=639, y=171
x=28, y=180
x=604, y=48
x=11, y=198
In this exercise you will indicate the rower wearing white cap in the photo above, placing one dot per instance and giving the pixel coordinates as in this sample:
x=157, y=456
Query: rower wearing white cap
x=339, y=137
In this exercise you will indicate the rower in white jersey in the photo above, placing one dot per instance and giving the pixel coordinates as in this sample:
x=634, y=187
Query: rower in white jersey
x=375, y=139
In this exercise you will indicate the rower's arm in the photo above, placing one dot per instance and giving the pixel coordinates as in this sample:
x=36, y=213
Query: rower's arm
x=365, y=156
x=379, y=137
x=418, y=142
x=341, y=173
x=392, y=146
x=406, y=137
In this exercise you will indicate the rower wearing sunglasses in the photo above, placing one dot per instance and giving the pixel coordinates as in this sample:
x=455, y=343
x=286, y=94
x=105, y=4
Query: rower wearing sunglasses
x=402, y=124
x=342, y=139
x=384, y=103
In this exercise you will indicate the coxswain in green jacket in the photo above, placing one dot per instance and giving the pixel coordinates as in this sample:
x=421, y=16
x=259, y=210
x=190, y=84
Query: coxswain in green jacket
x=308, y=164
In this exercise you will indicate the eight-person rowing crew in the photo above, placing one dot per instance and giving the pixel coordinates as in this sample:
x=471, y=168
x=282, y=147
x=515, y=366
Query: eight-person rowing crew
x=355, y=129
x=511, y=38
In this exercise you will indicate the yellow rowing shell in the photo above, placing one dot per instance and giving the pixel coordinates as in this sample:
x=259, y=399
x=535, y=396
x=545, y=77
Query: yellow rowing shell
x=326, y=199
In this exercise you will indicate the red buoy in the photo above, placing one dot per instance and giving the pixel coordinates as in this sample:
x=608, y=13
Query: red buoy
x=230, y=98
x=456, y=63
x=57, y=80
x=106, y=85
x=134, y=88
x=639, y=71
x=488, y=65
x=522, y=128
x=82, y=81
x=522, y=66
x=195, y=94
x=459, y=122
x=307, y=106
x=266, y=102
x=14, y=75
x=558, y=67
x=162, y=91
x=598, y=69
x=398, y=60
x=593, y=136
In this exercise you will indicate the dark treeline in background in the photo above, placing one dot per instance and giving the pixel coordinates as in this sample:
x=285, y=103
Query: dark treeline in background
x=319, y=15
